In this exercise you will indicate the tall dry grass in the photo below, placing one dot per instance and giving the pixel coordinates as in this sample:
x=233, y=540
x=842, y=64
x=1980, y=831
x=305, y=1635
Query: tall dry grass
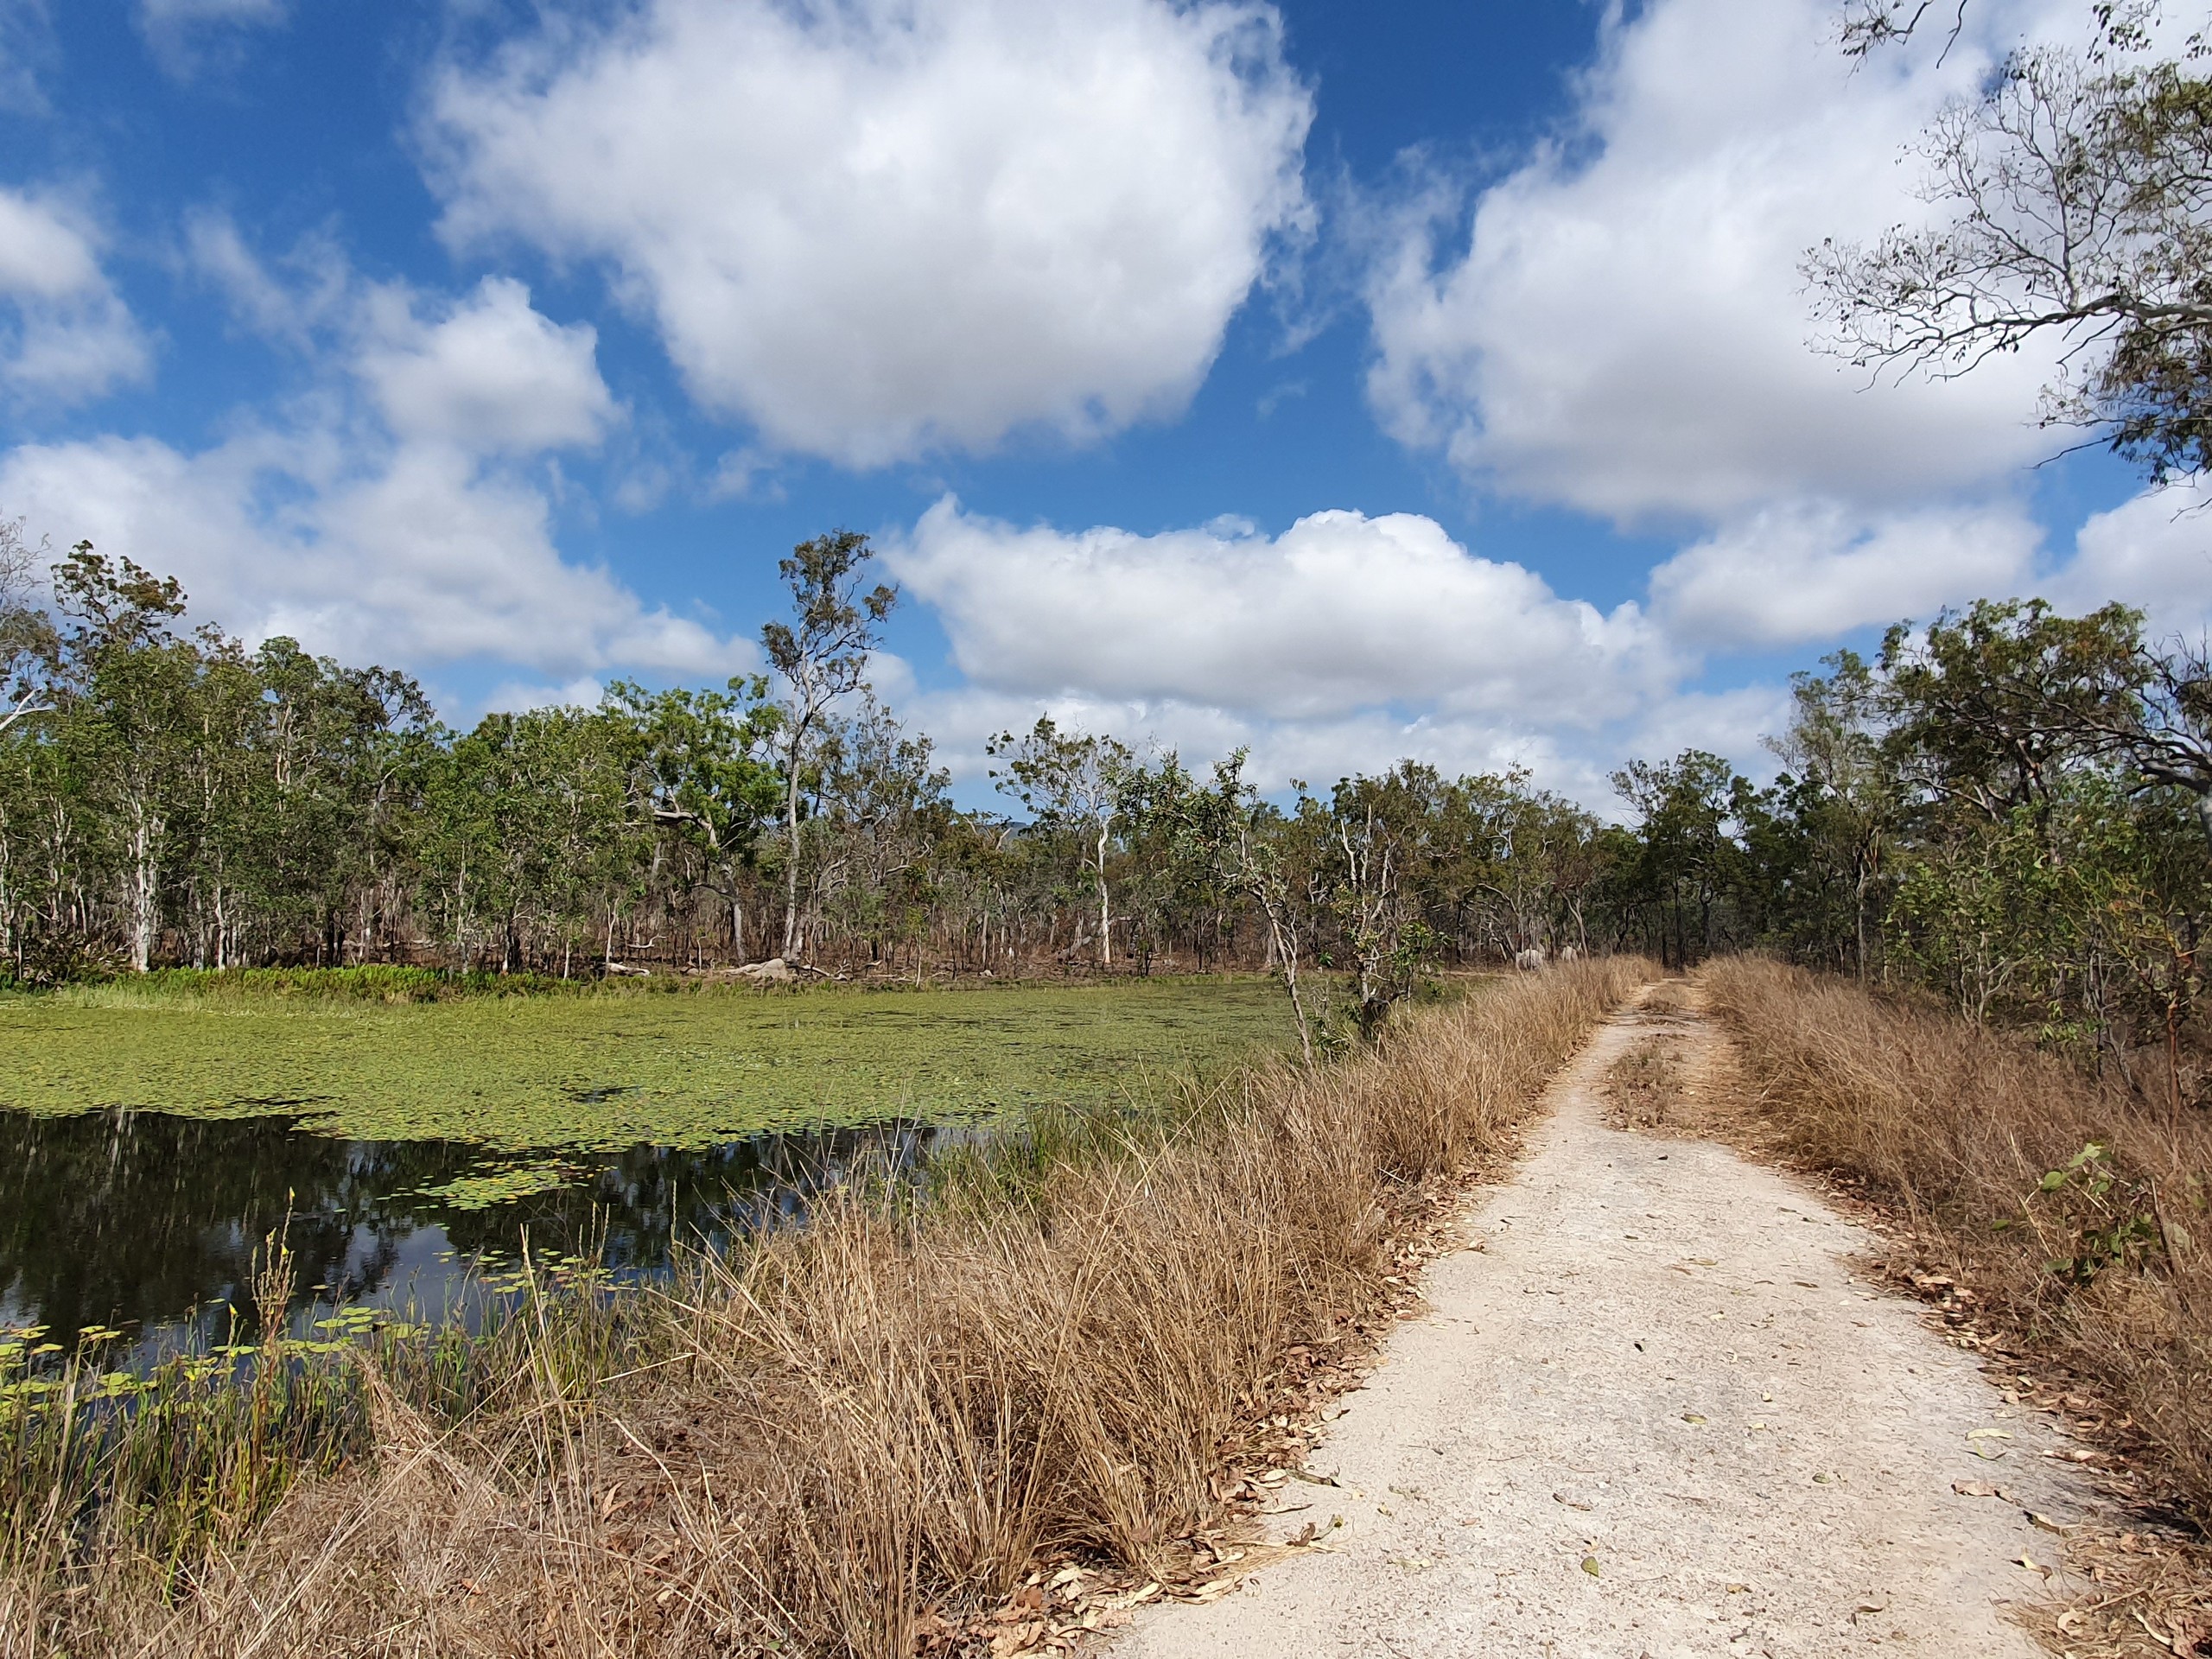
x=1978, y=1143
x=848, y=1439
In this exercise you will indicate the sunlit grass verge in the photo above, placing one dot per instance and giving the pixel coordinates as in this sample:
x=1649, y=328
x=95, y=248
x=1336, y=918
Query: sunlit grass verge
x=844, y=1436
x=2071, y=1216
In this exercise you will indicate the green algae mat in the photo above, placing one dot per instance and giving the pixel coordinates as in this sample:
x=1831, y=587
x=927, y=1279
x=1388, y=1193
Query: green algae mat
x=612, y=1070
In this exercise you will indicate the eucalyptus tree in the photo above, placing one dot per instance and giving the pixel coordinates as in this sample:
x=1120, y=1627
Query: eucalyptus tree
x=821, y=655
x=27, y=637
x=1987, y=708
x=1378, y=841
x=338, y=753
x=2074, y=198
x=701, y=771
x=1687, y=860
x=1841, y=789
x=128, y=683
x=1236, y=838
x=529, y=826
x=1522, y=859
x=1074, y=782
x=885, y=809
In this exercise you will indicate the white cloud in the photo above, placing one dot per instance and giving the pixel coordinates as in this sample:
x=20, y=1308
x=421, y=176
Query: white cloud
x=2154, y=552
x=66, y=335
x=1345, y=644
x=877, y=228
x=416, y=557
x=44, y=254
x=320, y=290
x=494, y=375
x=1802, y=572
x=1734, y=723
x=519, y=697
x=392, y=513
x=1340, y=613
x=1625, y=330
x=182, y=33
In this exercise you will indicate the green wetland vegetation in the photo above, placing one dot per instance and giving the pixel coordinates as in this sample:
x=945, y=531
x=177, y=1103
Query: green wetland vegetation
x=398, y=1128
x=608, y=1069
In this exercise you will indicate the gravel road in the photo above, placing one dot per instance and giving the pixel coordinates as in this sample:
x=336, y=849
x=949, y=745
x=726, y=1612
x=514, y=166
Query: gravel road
x=1653, y=1411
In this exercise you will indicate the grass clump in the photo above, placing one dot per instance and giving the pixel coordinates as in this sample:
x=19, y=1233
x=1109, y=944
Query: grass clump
x=2072, y=1214
x=853, y=1438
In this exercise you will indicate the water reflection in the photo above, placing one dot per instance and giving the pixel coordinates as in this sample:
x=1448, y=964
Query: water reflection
x=151, y=1220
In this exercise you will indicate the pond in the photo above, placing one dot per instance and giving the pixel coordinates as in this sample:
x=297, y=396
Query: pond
x=151, y=1221
x=149, y=1146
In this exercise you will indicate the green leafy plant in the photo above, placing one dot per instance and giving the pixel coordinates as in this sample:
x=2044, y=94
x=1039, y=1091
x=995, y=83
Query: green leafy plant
x=2125, y=1232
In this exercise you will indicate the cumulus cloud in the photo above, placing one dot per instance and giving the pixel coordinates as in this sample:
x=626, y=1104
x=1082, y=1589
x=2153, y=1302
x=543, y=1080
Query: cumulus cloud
x=879, y=228
x=1624, y=329
x=417, y=559
x=2153, y=552
x=392, y=513
x=1341, y=611
x=1796, y=573
x=1349, y=642
x=66, y=335
x=493, y=375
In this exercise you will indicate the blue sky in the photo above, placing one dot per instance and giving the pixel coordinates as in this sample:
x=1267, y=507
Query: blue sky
x=1346, y=381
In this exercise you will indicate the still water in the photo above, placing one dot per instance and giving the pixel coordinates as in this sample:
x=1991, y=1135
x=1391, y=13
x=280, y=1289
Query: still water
x=150, y=1221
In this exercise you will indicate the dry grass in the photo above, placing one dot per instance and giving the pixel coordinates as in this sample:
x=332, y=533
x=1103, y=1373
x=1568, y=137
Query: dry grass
x=869, y=1438
x=1645, y=1089
x=2097, y=1269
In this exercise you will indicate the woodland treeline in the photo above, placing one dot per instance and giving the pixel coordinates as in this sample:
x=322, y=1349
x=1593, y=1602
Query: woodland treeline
x=2011, y=807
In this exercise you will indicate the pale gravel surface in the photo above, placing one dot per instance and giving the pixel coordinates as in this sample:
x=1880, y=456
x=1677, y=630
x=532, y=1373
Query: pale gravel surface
x=1618, y=1287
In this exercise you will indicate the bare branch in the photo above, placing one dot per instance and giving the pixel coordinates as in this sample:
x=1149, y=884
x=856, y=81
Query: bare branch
x=2079, y=209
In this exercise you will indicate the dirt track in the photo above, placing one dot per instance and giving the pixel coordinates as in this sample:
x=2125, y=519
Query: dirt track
x=1653, y=1411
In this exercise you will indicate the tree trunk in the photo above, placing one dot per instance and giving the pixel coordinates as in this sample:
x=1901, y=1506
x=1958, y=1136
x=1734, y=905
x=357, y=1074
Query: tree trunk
x=1105, y=910
x=1860, y=896
x=1288, y=950
x=791, y=862
x=145, y=889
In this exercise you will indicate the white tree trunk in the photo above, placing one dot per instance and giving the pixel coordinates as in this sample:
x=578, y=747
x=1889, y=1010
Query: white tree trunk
x=1105, y=908
x=145, y=889
x=791, y=864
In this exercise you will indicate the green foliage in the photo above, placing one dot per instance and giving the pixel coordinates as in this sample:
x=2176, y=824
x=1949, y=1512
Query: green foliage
x=2113, y=1220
